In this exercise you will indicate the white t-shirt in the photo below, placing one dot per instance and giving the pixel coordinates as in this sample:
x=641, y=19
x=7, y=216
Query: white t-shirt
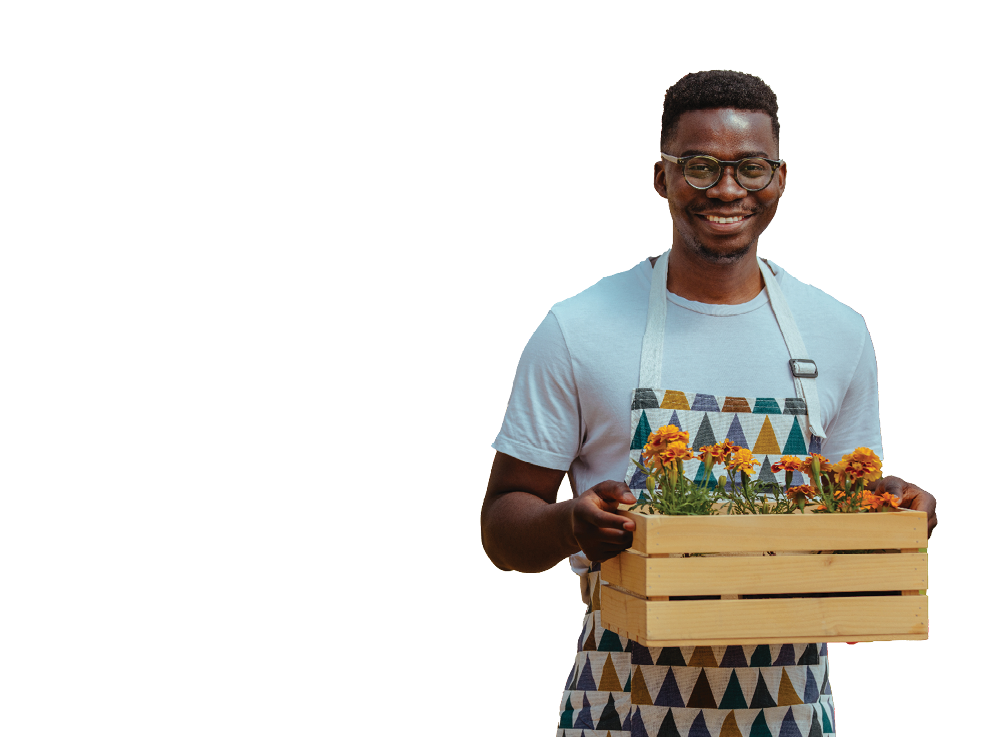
x=570, y=403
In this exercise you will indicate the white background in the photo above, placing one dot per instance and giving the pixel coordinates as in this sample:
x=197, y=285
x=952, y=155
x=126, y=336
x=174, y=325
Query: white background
x=266, y=273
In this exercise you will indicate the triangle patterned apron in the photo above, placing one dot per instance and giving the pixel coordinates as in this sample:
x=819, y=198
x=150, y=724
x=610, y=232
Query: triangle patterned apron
x=620, y=688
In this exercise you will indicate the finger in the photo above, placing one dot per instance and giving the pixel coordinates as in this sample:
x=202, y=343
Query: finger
x=607, y=535
x=604, y=555
x=892, y=484
x=908, y=498
x=614, y=491
x=601, y=552
x=915, y=498
x=885, y=483
x=604, y=542
x=594, y=510
x=598, y=518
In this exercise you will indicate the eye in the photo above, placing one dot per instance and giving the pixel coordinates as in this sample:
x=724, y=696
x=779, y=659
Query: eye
x=754, y=168
x=701, y=168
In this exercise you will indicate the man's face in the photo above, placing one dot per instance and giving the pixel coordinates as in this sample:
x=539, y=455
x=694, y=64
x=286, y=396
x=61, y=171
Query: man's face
x=728, y=135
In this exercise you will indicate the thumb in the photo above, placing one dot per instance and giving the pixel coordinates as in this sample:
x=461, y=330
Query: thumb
x=615, y=491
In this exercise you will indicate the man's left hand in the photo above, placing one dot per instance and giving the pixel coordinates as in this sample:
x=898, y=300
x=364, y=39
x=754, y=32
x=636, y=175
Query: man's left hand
x=910, y=497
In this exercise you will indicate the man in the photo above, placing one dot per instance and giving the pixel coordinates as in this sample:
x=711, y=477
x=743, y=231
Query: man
x=718, y=349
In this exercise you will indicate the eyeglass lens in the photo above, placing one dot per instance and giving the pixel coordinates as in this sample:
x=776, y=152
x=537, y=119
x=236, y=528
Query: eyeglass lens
x=751, y=174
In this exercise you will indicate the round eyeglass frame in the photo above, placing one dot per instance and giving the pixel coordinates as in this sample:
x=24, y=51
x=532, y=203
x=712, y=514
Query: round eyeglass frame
x=774, y=165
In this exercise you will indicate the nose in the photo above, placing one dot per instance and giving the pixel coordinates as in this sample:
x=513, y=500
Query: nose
x=727, y=187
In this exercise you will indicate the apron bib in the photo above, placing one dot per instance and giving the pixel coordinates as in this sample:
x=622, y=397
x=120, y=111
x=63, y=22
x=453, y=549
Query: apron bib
x=618, y=688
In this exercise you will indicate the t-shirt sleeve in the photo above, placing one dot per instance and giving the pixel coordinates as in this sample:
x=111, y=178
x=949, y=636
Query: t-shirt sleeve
x=856, y=423
x=542, y=424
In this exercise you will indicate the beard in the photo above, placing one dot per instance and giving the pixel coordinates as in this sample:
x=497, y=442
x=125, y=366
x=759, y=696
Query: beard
x=716, y=257
x=705, y=252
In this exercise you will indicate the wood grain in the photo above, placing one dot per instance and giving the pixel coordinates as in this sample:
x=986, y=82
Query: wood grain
x=656, y=534
x=655, y=576
x=754, y=621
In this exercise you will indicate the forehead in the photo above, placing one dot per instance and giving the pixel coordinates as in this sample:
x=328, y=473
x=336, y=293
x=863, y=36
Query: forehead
x=724, y=133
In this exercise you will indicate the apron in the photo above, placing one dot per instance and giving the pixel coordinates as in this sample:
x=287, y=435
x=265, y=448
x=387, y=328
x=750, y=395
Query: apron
x=619, y=688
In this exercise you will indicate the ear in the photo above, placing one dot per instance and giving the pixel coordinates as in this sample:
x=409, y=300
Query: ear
x=660, y=179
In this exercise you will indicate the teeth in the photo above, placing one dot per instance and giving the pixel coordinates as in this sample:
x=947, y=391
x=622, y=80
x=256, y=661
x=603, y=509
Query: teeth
x=715, y=219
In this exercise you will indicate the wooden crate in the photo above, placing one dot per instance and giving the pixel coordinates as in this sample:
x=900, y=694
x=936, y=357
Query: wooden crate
x=825, y=596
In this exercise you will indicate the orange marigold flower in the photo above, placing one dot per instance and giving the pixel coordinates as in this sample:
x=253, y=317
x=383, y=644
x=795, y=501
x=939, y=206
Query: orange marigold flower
x=666, y=455
x=725, y=447
x=676, y=451
x=871, y=501
x=719, y=451
x=824, y=464
x=742, y=460
x=665, y=435
x=787, y=463
x=877, y=503
x=656, y=454
x=805, y=490
x=652, y=462
x=862, y=463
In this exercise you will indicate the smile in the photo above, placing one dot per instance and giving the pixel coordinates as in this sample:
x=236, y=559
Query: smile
x=724, y=220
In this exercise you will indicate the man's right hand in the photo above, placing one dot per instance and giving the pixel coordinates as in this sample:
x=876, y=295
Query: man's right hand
x=599, y=531
x=525, y=528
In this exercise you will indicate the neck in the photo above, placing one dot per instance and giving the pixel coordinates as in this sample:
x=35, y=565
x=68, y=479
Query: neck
x=695, y=279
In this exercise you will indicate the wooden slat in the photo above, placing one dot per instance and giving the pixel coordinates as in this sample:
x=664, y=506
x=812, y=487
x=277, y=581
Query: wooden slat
x=761, y=640
x=754, y=533
x=652, y=576
x=843, y=619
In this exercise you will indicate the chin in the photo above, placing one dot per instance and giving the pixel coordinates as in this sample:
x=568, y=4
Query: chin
x=721, y=257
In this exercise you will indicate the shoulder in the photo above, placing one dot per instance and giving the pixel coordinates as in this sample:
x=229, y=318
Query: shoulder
x=608, y=301
x=813, y=308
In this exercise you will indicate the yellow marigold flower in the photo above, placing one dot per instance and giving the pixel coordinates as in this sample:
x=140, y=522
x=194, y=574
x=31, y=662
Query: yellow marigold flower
x=805, y=466
x=862, y=463
x=742, y=460
x=805, y=490
x=787, y=463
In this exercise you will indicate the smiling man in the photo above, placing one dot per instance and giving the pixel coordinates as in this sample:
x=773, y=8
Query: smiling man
x=719, y=336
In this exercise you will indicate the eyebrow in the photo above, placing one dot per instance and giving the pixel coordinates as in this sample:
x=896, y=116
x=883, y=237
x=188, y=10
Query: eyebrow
x=741, y=155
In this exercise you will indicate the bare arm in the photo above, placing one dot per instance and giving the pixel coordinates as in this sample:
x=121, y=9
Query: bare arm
x=523, y=528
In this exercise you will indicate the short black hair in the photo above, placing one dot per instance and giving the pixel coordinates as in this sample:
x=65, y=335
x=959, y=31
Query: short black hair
x=719, y=88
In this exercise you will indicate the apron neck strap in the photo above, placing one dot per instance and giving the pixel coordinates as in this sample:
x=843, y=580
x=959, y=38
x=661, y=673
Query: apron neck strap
x=802, y=368
x=654, y=332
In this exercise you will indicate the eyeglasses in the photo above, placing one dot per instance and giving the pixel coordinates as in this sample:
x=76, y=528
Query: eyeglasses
x=703, y=172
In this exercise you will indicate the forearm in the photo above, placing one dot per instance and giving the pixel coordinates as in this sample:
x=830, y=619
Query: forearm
x=522, y=532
